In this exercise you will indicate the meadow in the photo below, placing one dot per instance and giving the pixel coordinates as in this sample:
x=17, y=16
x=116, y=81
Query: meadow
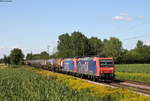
x=136, y=72
x=30, y=84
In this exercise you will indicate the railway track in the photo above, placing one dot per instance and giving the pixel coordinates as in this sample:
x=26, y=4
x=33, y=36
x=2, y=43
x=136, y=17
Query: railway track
x=138, y=87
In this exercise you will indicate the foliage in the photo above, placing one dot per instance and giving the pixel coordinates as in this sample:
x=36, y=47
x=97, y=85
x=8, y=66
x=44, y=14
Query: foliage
x=139, y=44
x=29, y=56
x=42, y=55
x=77, y=45
x=133, y=57
x=80, y=44
x=6, y=59
x=71, y=46
x=65, y=45
x=113, y=48
x=16, y=56
x=137, y=55
x=1, y=60
x=96, y=46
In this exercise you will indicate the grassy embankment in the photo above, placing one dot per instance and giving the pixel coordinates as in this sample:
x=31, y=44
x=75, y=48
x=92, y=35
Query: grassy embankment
x=28, y=84
x=136, y=72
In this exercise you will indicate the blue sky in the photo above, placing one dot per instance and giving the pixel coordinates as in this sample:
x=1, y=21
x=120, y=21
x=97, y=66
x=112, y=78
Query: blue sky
x=33, y=24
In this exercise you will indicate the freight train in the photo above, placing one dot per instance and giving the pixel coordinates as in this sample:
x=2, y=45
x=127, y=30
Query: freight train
x=91, y=67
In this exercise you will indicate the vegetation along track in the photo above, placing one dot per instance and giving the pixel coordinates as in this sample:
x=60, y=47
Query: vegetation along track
x=138, y=87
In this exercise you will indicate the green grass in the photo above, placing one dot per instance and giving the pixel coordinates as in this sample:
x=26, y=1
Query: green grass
x=136, y=72
x=21, y=85
x=133, y=68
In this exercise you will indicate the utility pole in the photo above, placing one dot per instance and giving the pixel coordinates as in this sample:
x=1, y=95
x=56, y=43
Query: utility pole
x=48, y=47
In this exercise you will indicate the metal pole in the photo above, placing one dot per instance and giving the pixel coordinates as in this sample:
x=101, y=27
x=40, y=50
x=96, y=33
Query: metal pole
x=48, y=50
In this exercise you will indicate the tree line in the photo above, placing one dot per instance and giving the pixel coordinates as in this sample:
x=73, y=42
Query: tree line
x=42, y=55
x=17, y=57
x=77, y=44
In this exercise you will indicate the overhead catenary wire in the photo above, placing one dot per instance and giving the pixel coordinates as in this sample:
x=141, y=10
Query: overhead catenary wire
x=135, y=37
x=132, y=27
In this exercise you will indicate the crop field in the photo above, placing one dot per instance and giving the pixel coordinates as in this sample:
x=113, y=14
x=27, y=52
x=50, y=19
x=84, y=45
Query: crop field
x=22, y=85
x=137, y=72
x=29, y=84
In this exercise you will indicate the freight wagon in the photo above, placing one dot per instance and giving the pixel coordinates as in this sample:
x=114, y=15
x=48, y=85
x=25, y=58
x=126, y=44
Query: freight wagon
x=36, y=63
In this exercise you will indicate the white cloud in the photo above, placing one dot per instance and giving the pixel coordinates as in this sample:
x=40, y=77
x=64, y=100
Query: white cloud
x=123, y=17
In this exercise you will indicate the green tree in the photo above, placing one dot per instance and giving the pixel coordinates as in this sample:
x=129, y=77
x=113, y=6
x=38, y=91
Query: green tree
x=138, y=55
x=96, y=46
x=80, y=44
x=71, y=46
x=133, y=56
x=44, y=55
x=36, y=56
x=6, y=59
x=16, y=56
x=29, y=56
x=1, y=60
x=64, y=46
x=113, y=48
x=145, y=53
x=139, y=44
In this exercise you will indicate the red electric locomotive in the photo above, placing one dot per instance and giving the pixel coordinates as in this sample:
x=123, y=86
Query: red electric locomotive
x=95, y=67
x=105, y=68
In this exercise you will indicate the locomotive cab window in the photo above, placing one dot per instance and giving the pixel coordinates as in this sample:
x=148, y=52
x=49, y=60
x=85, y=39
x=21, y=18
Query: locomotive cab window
x=106, y=63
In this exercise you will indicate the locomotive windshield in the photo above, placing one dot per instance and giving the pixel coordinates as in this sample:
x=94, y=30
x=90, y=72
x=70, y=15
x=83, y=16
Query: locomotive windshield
x=106, y=63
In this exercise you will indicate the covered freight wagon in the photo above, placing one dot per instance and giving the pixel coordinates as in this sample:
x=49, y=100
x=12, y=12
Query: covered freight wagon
x=36, y=62
x=68, y=64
